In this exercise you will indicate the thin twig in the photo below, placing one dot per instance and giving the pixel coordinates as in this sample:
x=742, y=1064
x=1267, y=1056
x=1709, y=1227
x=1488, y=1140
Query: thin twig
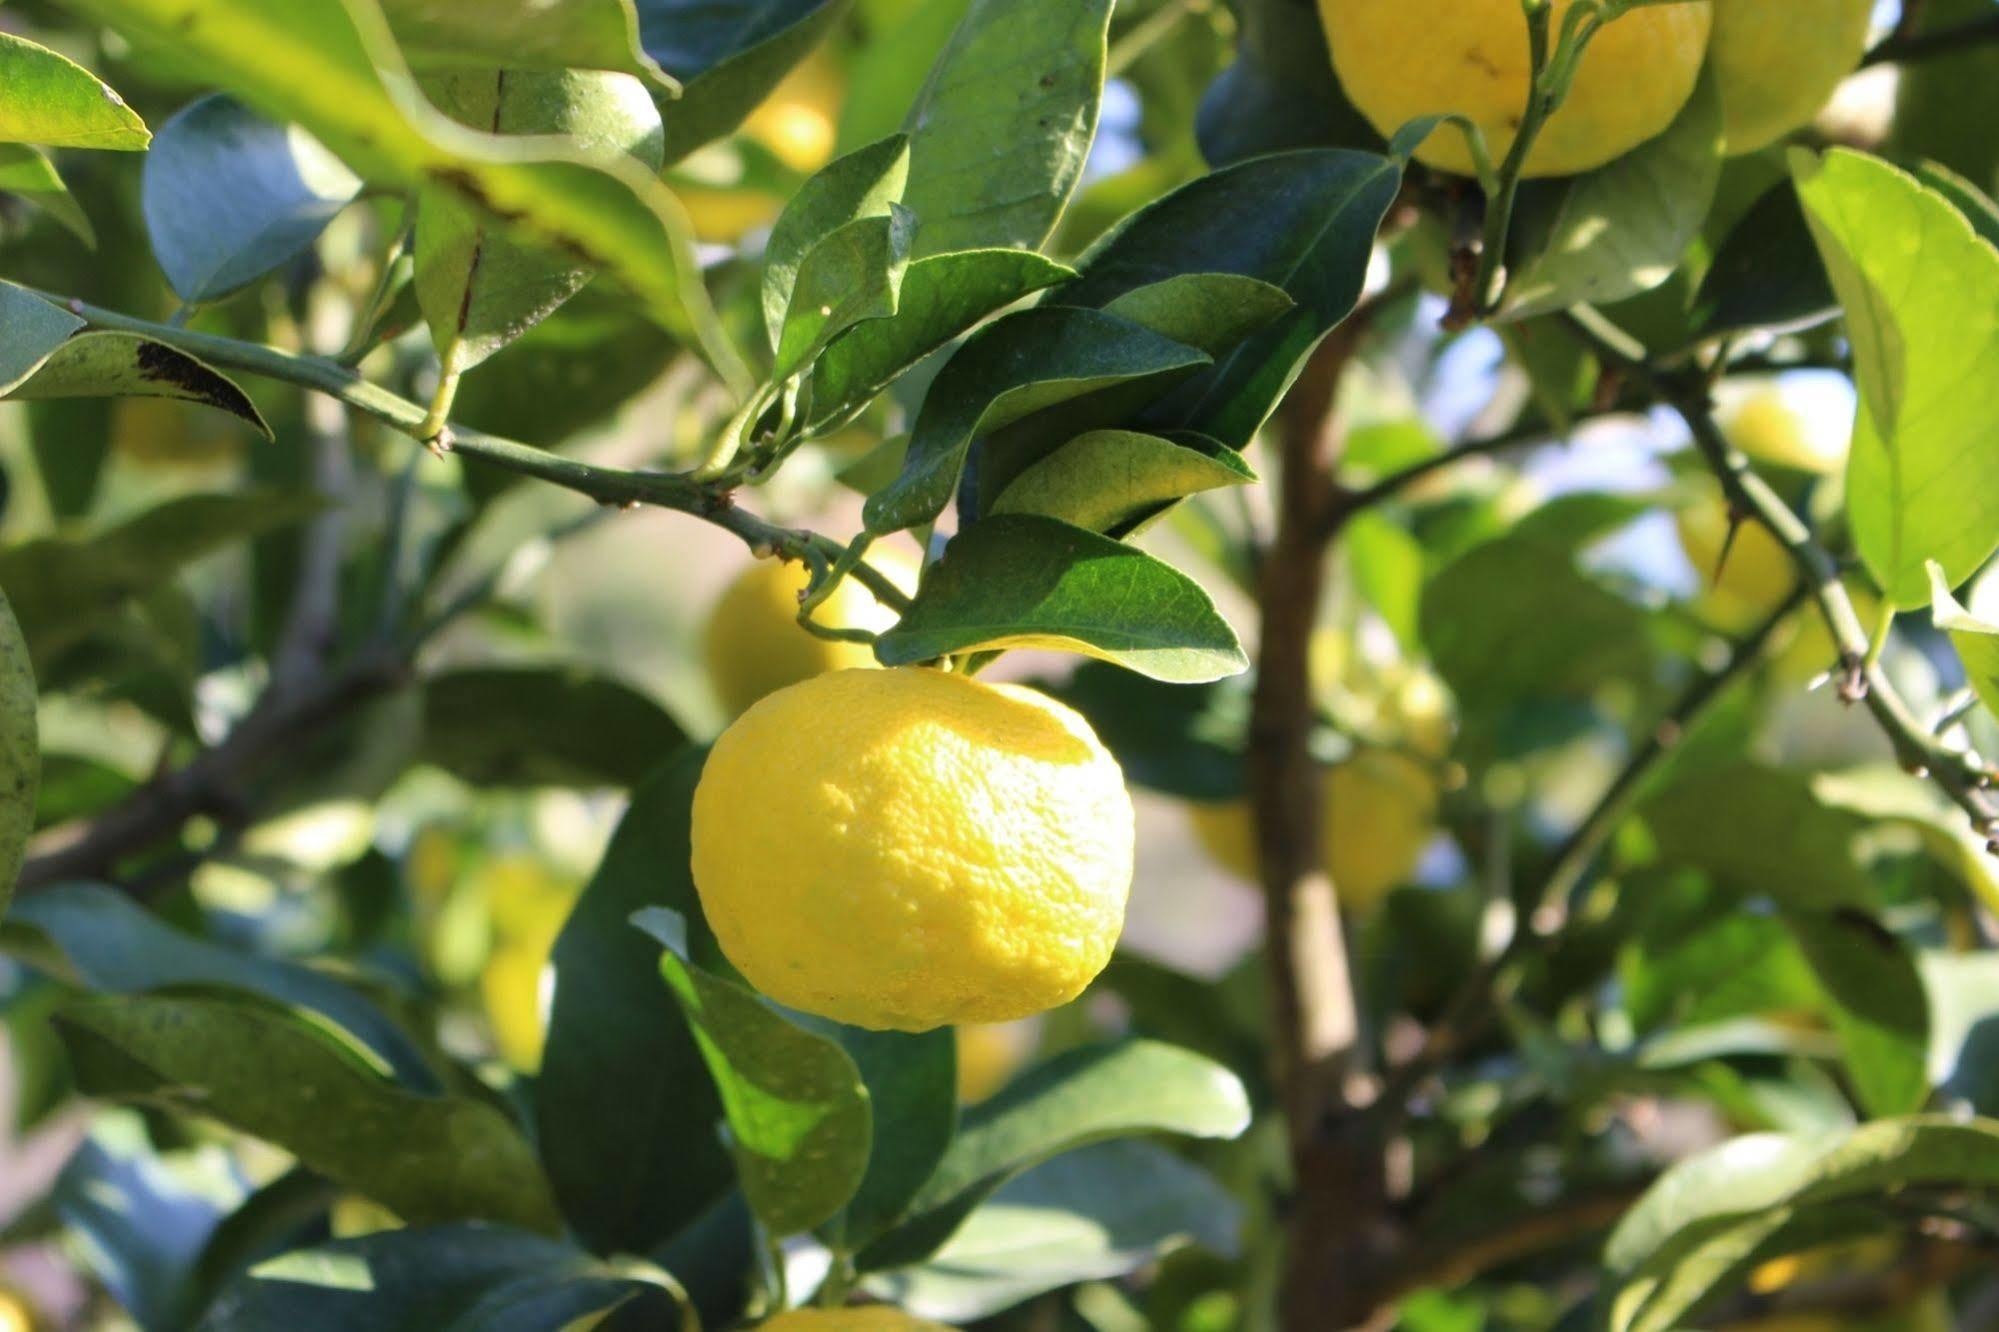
x=1905, y=47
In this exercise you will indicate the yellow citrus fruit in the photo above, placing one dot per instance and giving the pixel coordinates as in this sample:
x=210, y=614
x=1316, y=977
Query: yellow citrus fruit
x=1379, y=812
x=1768, y=427
x=1777, y=64
x=1758, y=575
x=527, y=904
x=755, y=645
x=1415, y=58
x=908, y=848
x=988, y=1054
x=511, y=988
x=15, y=1313
x=799, y=121
x=723, y=217
x=865, y=1318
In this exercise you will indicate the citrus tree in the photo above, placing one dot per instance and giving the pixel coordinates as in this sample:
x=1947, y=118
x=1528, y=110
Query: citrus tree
x=871, y=665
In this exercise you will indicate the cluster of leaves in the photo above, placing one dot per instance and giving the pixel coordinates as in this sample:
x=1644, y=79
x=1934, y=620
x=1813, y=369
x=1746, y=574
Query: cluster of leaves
x=373, y=202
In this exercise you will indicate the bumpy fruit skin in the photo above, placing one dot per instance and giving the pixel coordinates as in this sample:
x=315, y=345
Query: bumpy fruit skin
x=1778, y=63
x=867, y=1318
x=1380, y=809
x=1402, y=59
x=755, y=645
x=904, y=849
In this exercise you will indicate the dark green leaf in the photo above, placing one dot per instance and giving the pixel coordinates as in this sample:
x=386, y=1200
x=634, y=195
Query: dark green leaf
x=1276, y=95
x=111, y=944
x=1107, y=480
x=1208, y=311
x=799, y=1120
x=865, y=183
x=229, y=196
x=1767, y=273
x=49, y=99
x=729, y=54
x=543, y=726
x=852, y=277
x=124, y=365
x=942, y=297
x=1175, y=739
x=1022, y=364
x=912, y=1083
x=275, y=1076
x=1085, y=1096
x=1764, y=832
x=1880, y=1011
x=631, y=1169
x=20, y=750
x=31, y=329
x=524, y=34
x=28, y=174
x=1024, y=581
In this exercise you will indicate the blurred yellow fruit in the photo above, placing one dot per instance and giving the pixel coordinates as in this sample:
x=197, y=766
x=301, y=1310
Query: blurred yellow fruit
x=800, y=120
x=864, y=1318
x=725, y=216
x=1769, y=428
x=1415, y=58
x=1758, y=575
x=1777, y=64
x=908, y=848
x=16, y=1315
x=525, y=897
x=755, y=645
x=431, y=865
x=1418, y=712
x=527, y=903
x=1379, y=813
x=512, y=990
x=988, y=1054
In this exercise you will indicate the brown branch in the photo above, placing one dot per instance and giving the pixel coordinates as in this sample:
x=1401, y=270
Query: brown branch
x=1902, y=47
x=1457, y=1264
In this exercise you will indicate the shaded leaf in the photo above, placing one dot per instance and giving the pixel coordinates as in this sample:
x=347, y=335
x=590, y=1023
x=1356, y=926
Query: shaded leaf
x=28, y=174
x=851, y=277
x=1176, y=739
x=912, y=1083
x=1024, y=581
x=729, y=54
x=543, y=726
x=1086, y=1095
x=1763, y=831
x=798, y=1115
x=125, y=365
x=51, y=100
x=271, y=1075
x=525, y=34
x=20, y=750
x=1880, y=1010
x=31, y=329
x=1022, y=364
x=1107, y=480
x=229, y=196
x=1208, y=311
x=865, y=183
x=1767, y=273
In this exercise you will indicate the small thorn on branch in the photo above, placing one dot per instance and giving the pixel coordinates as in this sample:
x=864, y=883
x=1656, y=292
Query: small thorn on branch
x=441, y=443
x=1853, y=687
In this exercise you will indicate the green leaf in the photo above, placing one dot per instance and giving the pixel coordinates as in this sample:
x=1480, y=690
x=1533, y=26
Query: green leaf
x=1022, y=581
x=49, y=99
x=1388, y=567
x=1976, y=640
x=912, y=1083
x=525, y=726
x=1763, y=831
x=1963, y=990
x=798, y=1114
x=63, y=588
x=1086, y=1095
x=273, y=1076
x=230, y=197
x=887, y=72
x=1107, y=480
x=1921, y=293
x=1880, y=1011
x=1624, y=228
x=1001, y=130
x=31, y=329
x=1179, y=740
x=110, y=944
x=853, y=276
x=331, y=66
x=1302, y=221
x=1091, y=1215
x=479, y=289
x=942, y=297
x=452, y=1278
x=631, y=1169
x=1767, y=273
x=729, y=54
x=125, y=365
x=1024, y=363
x=20, y=750
x=1208, y=311
x=27, y=173
x=525, y=34
x=866, y=183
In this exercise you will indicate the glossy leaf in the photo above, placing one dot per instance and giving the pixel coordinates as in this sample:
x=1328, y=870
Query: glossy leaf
x=912, y=1083
x=479, y=289
x=51, y=100
x=1106, y=480
x=1302, y=221
x=1624, y=228
x=1090, y=1215
x=271, y=1075
x=1921, y=293
x=543, y=726
x=999, y=135
x=1022, y=364
x=630, y=1170
x=1208, y=311
x=1023, y=581
x=865, y=183
x=942, y=297
x=125, y=365
x=331, y=67
x=728, y=54
x=1086, y=1095
x=229, y=196
x=799, y=1122
x=852, y=277
x=108, y=943
x=28, y=174
x=525, y=34
x=31, y=329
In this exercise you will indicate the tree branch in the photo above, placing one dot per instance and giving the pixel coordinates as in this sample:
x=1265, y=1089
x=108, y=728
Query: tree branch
x=1903, y=47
